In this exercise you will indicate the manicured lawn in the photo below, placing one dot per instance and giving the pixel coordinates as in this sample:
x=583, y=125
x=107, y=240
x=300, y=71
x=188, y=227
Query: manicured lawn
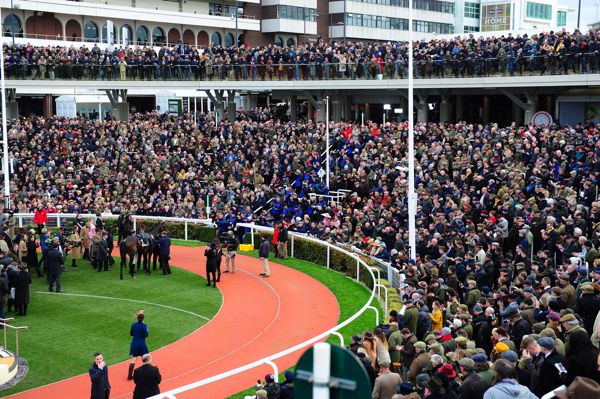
x=350, y=295
x=189, y=243
x=66, y=329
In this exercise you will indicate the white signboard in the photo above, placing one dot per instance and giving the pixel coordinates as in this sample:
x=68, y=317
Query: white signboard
x=541, y=120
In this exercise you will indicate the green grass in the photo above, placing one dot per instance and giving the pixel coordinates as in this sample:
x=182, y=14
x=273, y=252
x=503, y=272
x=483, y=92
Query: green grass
x=65, y=331
x=350, y=295
x=189, y=243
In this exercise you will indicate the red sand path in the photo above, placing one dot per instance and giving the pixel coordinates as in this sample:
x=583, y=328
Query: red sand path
x=259, y=317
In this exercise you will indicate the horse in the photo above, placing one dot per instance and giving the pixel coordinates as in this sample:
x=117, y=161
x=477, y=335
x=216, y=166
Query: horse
x=129, y=247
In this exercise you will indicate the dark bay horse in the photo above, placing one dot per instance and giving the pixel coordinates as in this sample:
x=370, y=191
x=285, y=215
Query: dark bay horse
x=129, y=248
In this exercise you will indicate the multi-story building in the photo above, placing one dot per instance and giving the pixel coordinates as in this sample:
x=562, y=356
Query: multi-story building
x=504, y=15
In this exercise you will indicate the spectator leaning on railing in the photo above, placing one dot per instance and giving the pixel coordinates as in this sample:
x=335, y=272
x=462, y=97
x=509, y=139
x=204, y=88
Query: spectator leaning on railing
x=554, y=52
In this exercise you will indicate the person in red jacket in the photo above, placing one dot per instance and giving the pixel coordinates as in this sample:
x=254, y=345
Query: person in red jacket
x=40, y=217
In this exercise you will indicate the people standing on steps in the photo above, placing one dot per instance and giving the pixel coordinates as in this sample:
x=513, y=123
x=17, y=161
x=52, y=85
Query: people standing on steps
x=99, y=377
x=147, y=379
x=263, y=254
x=138, y=347
x=232, y=246
x=211, y=264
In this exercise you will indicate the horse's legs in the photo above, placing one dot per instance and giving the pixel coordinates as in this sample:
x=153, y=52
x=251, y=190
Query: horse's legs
x=132, y=261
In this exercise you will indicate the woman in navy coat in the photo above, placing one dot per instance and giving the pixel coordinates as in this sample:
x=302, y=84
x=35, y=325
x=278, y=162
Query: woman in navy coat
x=138, y=348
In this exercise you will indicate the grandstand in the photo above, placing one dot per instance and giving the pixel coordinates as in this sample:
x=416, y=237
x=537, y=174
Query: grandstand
x=430, y=206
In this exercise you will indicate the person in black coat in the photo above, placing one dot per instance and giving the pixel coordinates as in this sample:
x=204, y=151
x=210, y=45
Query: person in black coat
x=99, y=377
x=3, y=292
x=32, y=259
x=54, y=265
x=286, y=388
x=581, y=359
x=147, y=379
x=588, y=306
x=211, y=264
x=164, y=252
x=473, y=386
x=22, y=282
x=102, y=252
x=550, y=377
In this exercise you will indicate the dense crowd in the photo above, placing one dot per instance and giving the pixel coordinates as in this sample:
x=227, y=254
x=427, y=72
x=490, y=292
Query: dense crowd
x=543, y=53
x=507, y=268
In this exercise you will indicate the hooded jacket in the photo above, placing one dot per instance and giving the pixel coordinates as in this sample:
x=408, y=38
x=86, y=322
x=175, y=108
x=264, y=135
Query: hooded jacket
x=509, y=389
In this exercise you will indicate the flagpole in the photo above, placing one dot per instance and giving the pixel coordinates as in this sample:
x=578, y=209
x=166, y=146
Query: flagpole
x=4, y=128
x=327, y=141
x=412, y=208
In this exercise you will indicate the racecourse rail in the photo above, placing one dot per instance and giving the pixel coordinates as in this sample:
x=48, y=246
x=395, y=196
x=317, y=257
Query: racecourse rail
x=57, y=219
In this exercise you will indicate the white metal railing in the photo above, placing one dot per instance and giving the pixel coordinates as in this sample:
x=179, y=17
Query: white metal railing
x=270, y=360
x=4, y=323
x=57, y=219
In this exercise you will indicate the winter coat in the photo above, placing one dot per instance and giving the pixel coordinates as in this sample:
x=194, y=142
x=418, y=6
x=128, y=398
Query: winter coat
x=22, y=282
x=509, y=389
x=55, y=261
x=385, y=385
x=549, y=378
x=417, y=366
x=211, y=260
x=588, y=306
x=263, y=250
x=473, y=387
x=411, y=317
x=436, y=320
x=100, y=382
x=76, y=250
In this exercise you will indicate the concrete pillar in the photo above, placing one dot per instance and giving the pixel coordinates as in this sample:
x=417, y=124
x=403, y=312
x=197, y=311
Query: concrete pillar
x=231, y=108
x=367, y=112
x=249, y=101
x=337, y=108
x=486, y=109
x=460, y=107
x=118, y=104
x=517, y=114
x=422, y=113
x=445, y=110
x=320, y=110
x=12, y=107
x=294, y=108
x=48, y=106
x=310, y=109
x=530, y=109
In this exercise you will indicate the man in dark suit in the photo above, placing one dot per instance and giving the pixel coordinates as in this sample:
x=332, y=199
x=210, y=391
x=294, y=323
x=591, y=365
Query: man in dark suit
x=164, y=252
x=99, y=377
x=146, y=378
x=56, y=259
x=550, y=375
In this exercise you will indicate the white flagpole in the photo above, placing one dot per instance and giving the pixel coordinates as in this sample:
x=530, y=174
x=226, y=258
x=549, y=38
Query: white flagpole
x=327, y=140
x=412, y=199
x=4, y=128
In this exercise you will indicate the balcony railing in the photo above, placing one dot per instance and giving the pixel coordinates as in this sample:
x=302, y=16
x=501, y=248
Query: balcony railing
x=588, y=63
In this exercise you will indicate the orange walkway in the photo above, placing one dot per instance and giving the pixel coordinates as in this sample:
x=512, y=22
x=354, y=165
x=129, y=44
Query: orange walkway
x=259, y=317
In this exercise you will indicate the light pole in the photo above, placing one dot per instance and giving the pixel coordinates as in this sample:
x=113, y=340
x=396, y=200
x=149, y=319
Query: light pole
x=578, y=14
x=12, y=14
x=327, y=141
x=304, y=19
x=4, y=128
x=236, y=23
x=412, y=199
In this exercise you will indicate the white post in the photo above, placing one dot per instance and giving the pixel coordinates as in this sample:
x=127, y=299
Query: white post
x=292, y=248
x=384, y=119
x=412, y=206
x=328, y=256
x=195, y=108
x=362, y=118
x=185, y=224
x=4, y=129
x=327, y=140
x=321, y=370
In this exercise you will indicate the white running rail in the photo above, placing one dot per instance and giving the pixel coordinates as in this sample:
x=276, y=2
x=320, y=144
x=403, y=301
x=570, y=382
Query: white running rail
x=56, y=219
x=270, y=360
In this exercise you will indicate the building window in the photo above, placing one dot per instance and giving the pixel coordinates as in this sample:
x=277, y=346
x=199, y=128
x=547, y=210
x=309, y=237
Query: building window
x=126, y=34
x=142, y=35
x=215, y=38
x=12, y=25
x=539, y=10
x=158, y=36
x=297, y=13
x=468, y=29
x=290, y=42
x=279, y=41
x=105, y=34
x=90, y=31
x=561, y=18
x=472, y=10
x=228, y=40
